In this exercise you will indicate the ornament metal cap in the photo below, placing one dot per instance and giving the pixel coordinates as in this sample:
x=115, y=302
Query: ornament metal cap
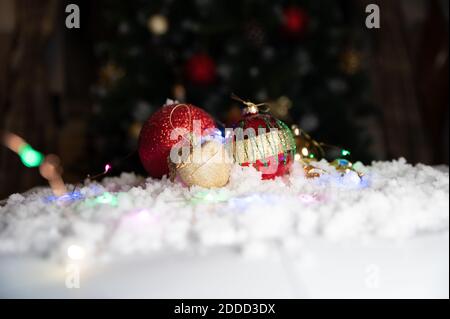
x=251, y=108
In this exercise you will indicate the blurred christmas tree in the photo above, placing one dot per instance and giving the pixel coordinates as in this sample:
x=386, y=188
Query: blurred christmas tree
x=303, y=57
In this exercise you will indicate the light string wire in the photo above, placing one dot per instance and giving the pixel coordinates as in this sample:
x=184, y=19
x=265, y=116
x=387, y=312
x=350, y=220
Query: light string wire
x=49, y=166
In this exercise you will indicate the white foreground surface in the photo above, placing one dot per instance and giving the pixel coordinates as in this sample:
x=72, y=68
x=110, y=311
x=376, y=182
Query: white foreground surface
x=417, y=268
x=332, y=237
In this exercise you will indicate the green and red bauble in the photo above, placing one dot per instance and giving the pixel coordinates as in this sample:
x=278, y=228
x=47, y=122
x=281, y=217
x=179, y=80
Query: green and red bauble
x=271, y=149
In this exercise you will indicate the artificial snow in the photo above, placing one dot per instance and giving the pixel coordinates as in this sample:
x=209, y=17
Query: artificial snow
x=131, y=215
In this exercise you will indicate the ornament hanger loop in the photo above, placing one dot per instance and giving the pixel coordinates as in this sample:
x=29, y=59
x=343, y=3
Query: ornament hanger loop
x=189, y=120
x=189, y=114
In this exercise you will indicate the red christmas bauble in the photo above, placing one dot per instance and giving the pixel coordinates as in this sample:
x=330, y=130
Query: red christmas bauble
x=201, y=69
x=270, y=152
x=295, y=20
x=154, y=139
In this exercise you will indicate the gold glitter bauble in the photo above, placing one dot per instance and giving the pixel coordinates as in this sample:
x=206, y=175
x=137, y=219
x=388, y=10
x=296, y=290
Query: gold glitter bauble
x=213, y=170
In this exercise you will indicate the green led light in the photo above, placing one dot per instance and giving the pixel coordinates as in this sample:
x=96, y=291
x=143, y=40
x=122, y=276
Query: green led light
x=209, y=197
x=311, y=155
x=30, y=157
x=345, y=152
x=107, y=198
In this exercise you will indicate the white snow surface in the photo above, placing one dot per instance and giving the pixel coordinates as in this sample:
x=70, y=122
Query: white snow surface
x=394, y=201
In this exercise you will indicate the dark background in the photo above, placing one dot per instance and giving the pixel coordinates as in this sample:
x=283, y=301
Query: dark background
x=84, y=93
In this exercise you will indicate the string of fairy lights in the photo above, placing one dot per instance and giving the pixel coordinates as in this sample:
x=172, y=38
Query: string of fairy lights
x=49, y=166
x=308, y=152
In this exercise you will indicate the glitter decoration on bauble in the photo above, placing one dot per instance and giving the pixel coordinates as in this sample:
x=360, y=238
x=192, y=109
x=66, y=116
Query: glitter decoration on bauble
x=154, y=140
